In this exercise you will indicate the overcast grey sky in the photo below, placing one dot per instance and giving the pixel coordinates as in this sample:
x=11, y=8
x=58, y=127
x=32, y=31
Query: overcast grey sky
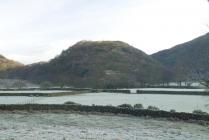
x=38, y=30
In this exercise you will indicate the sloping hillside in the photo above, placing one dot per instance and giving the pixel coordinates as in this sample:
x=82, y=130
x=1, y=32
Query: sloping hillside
x=187, y=61
x=8, y=64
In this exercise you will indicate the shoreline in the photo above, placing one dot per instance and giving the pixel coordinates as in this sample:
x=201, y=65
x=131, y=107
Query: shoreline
x=38, y=94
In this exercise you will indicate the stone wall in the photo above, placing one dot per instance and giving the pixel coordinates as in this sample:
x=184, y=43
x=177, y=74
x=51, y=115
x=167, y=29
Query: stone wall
x=105, y=109
x=173, y=92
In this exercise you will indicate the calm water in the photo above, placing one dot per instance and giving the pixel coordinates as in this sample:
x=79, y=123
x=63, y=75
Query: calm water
x=181, y=103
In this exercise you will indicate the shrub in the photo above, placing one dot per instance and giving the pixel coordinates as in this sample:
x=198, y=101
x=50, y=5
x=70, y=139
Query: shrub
x=126, y=106
x=200, y=112
x=138, y=106
x=154, y=108
x=172, y=110
x=71, y=103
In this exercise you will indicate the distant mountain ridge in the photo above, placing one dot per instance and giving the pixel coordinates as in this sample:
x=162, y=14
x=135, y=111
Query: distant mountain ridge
x=187, y=61
x=100, y=64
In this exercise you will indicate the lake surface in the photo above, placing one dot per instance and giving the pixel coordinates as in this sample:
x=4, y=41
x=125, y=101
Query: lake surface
x=181, y=103
x=94, y=127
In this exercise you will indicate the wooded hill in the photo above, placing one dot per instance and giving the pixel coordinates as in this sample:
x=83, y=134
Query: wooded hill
x=100, y=64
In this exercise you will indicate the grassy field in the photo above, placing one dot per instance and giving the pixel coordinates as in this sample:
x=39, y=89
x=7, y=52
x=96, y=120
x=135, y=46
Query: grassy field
x=50, y=126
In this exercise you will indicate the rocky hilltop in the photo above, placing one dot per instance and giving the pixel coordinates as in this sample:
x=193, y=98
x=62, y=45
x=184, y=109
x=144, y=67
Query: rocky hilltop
x=8, y=64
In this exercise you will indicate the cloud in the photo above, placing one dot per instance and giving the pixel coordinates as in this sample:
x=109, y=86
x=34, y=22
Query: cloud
x=37, y=30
